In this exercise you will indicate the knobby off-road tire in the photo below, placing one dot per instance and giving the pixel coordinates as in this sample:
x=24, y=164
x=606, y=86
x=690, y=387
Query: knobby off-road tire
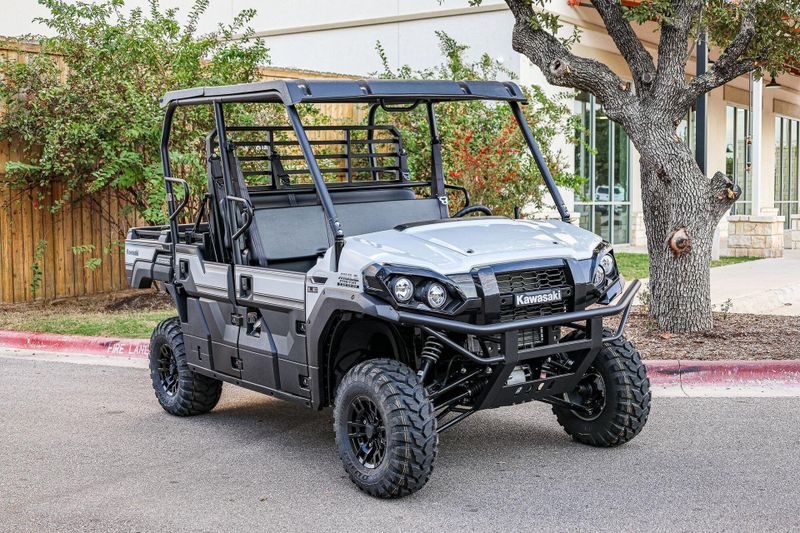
x=627, y=398
x=382, y=400
x=180, y=391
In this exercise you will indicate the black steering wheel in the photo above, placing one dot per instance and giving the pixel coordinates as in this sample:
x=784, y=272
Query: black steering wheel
x=473, y=209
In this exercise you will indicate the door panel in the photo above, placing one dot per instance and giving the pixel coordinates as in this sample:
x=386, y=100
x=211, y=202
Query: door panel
x=211, y=334
x=224, y=335
x=273, y=332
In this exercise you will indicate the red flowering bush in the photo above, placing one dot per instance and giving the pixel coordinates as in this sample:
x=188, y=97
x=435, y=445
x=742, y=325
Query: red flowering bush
x=482, y=147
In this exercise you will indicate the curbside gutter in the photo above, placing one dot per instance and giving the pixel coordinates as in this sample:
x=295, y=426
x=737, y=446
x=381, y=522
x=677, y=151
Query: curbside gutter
x=684, y=375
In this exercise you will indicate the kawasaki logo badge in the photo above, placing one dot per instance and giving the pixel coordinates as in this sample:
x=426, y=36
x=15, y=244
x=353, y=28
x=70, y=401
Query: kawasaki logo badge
x=538, y=297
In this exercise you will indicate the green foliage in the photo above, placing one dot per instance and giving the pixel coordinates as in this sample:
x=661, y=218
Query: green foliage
x=776, y=43
x=98, y=125
x=482, y=148
x=36, y=267
x=92, y=263
x=83, y=248
x=775, y=46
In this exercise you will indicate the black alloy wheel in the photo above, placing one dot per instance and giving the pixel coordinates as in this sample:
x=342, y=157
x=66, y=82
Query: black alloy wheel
x=168, y=370
x=589, y=393
x=367, y=432
x=615, y=393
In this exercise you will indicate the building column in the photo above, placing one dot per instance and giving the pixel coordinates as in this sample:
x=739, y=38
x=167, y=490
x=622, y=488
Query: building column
x=757, y=103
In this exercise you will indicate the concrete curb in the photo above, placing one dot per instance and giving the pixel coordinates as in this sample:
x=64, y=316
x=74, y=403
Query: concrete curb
x=727, y=374
x=75, y=344
x=681, y=374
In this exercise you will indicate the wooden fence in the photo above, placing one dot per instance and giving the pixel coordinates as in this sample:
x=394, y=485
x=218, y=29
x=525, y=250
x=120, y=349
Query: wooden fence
x=75, y=250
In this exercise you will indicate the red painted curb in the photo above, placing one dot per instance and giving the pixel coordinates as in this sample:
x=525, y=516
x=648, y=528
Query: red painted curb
x=685, y=373
x=75, y=344
x=688, y=373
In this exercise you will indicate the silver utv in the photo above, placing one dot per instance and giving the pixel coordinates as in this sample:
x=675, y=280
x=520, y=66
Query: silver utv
x=319, y=270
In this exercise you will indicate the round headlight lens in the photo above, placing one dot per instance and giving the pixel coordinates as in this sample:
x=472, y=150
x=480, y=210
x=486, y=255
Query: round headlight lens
x=403, y=289
x=436, y=295
x=599, y=276
x=607, y=262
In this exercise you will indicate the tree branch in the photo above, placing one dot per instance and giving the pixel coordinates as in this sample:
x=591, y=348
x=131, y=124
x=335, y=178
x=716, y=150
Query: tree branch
x=632, y=49
x=561, y=67
x=673, y=43
x=730, y=64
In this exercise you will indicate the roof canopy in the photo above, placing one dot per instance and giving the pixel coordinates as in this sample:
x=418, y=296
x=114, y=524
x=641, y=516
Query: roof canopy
x=289, y=92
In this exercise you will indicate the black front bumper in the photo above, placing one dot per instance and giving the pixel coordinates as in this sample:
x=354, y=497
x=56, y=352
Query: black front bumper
x=581, y=351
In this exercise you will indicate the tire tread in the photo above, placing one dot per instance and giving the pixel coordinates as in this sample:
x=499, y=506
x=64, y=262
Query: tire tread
x=196, y=394
x=410, y=424
x=631, y=403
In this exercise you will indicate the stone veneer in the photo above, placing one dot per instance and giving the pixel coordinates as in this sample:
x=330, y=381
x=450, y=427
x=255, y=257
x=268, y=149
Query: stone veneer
x=756, y=235
x=638, y=235
x=793, y=235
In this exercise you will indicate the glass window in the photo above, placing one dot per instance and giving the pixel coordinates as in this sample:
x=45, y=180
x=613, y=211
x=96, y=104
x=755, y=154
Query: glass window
x=687, y=129
x=602, y=158
x=737, y=146
x=787, y=167
x=621, y=167
x=602, y=221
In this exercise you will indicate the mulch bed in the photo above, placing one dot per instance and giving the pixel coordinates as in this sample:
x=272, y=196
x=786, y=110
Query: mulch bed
x=120, y=301
x=734, y=336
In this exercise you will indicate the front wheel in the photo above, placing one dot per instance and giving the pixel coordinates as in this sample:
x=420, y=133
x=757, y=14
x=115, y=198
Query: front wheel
x=180, y=391
x=614, y=394
x=385, y=428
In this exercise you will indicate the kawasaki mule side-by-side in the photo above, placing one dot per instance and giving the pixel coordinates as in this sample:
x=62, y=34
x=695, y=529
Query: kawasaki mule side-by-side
x=321, y=271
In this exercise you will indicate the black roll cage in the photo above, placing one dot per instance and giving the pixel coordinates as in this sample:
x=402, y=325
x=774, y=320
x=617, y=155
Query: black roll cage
x=389, y=95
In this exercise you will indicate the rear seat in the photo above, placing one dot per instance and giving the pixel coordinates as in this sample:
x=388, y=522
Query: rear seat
x=289, y=230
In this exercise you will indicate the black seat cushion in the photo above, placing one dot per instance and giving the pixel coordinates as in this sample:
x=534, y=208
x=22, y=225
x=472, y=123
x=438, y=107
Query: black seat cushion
x=289, y=230
x=292, y=234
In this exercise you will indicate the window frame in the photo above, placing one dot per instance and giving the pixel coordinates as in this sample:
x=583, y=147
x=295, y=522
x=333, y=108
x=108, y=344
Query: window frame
x=744, y=206
x=791, y=182
x=588, y=170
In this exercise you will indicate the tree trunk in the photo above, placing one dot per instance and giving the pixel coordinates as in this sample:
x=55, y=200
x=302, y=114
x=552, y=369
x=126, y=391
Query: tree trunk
x=681, y=211
x=682, y=207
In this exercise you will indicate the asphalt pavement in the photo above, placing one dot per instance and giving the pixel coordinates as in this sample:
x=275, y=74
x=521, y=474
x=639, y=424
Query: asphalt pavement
x=86, y=447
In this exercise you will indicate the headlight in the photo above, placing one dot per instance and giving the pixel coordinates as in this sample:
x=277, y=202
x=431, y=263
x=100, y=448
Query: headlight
x=436, y=295
x=607, y=262
x=403, y=289
x=422, y=290
x=599, y=276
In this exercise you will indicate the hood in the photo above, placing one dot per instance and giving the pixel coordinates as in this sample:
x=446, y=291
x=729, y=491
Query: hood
x=458, y=245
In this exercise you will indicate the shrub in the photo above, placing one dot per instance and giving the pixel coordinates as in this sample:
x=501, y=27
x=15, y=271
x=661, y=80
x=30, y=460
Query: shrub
x=97, y=123
x=482, y=147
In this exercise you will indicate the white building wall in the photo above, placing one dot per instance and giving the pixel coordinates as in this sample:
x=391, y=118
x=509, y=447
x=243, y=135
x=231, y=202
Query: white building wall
x=351, y=49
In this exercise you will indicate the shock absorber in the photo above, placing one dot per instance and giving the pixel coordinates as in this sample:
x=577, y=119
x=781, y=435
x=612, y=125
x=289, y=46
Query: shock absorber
x=430, y=356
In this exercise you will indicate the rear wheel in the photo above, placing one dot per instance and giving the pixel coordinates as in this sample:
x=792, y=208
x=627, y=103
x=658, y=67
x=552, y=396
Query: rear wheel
x=614, y=394
x=180, y=391
x=385, y=428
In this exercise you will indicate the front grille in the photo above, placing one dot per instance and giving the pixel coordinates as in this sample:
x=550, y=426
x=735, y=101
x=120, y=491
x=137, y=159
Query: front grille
x=525, y=281
x=510, y=283
x=531, y=280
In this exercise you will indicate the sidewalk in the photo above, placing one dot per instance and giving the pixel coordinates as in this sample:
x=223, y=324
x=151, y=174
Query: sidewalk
x=766, y=286
x=763, y=287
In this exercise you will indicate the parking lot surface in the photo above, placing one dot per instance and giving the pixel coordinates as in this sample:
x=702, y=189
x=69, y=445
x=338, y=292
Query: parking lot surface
x=86, y=447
